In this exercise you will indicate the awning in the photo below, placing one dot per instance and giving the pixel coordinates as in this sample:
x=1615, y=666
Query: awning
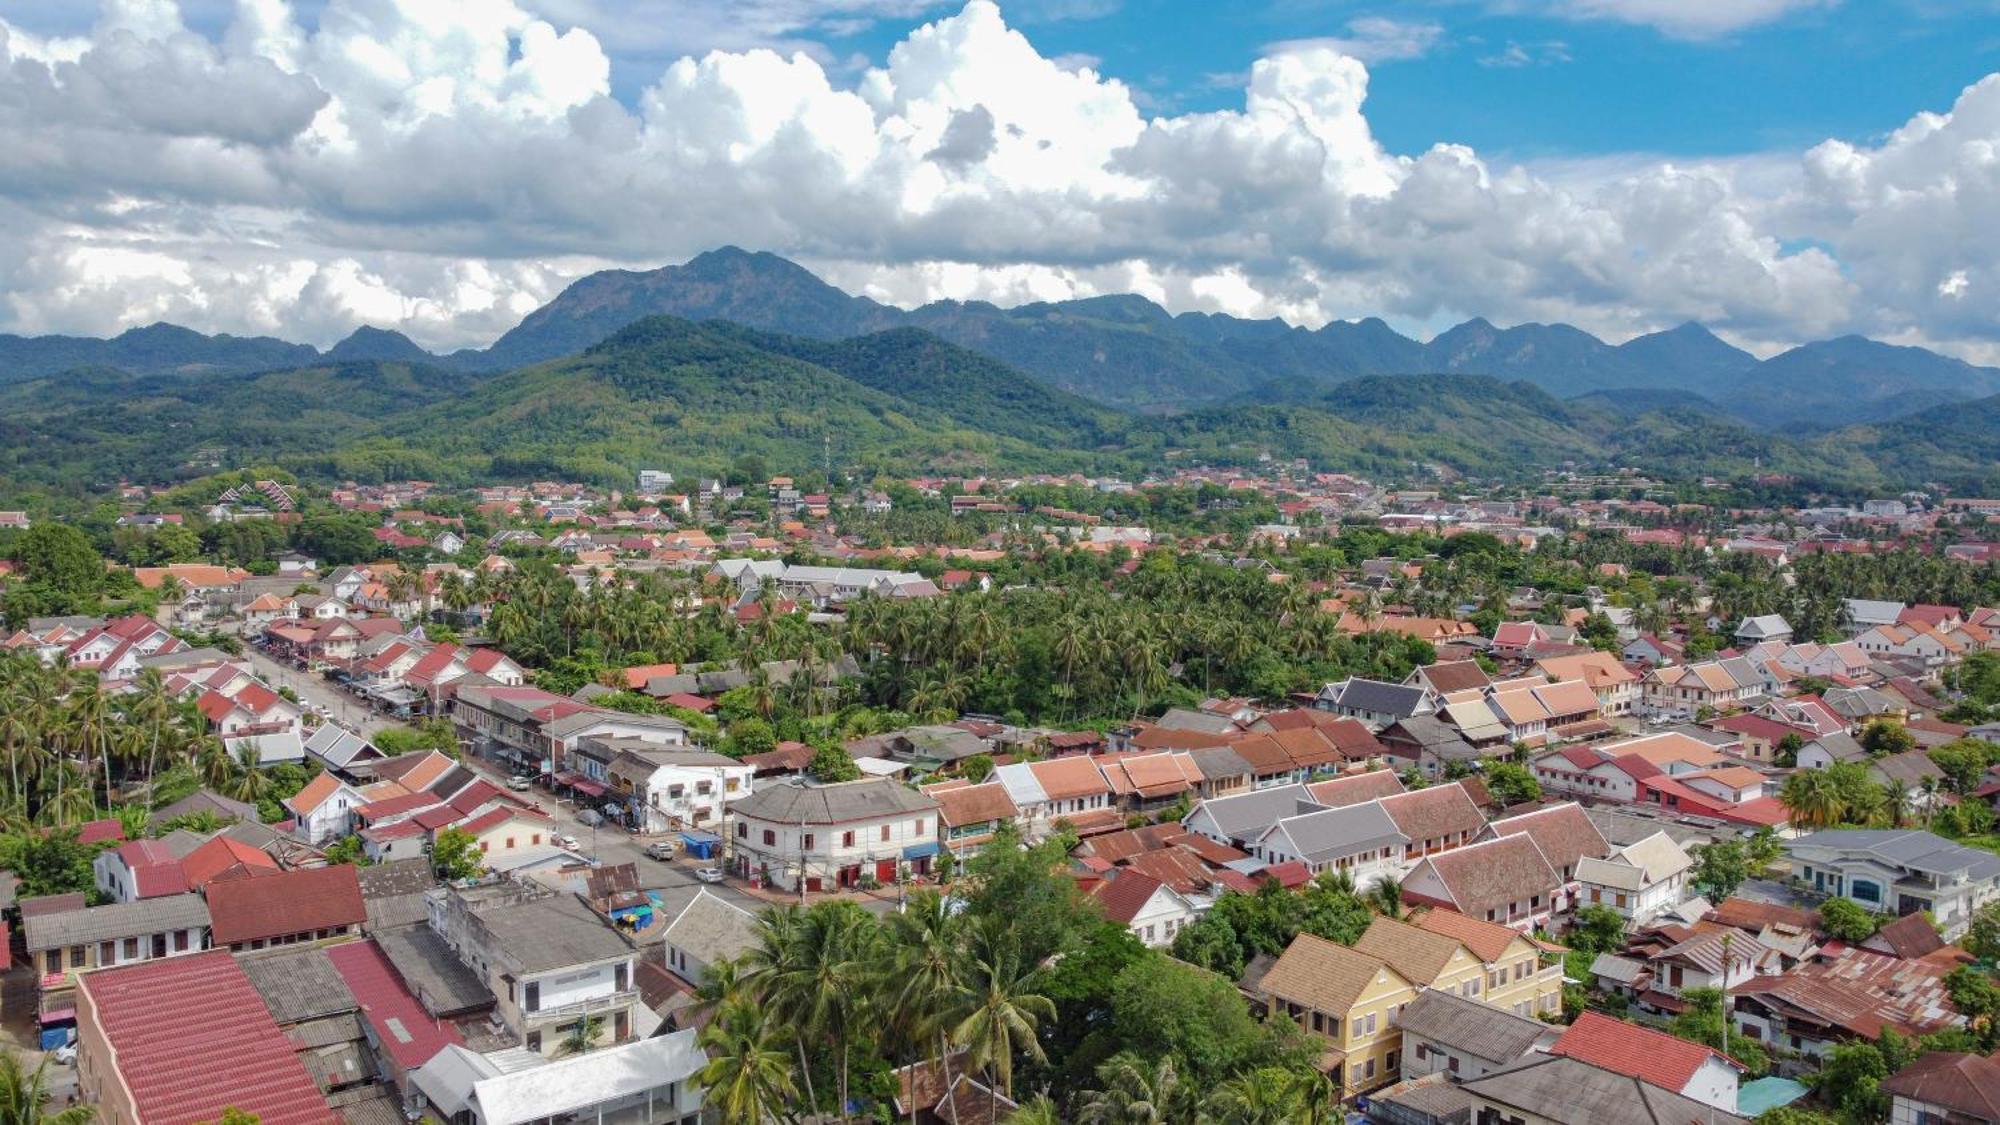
x=921, y=851
x=588, y=787
x=59, y=1015
x=567, y=777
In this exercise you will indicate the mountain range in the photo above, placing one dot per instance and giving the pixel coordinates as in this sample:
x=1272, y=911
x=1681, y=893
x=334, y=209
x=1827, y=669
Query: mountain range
x=1123, y=352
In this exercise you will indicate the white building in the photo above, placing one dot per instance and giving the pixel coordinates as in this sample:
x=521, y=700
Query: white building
x=652, y=1081
x=671, y=789
x=1899, y=871
x=833, y=835
x=1638, y=881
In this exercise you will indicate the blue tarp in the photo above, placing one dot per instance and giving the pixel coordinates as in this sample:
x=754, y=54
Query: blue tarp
x=701, y=845
x=921, y=851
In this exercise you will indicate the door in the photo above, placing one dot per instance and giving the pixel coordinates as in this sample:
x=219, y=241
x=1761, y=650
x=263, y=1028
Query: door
x=885, y=871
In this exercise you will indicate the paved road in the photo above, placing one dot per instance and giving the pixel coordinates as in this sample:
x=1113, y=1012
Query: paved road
x=311, y=688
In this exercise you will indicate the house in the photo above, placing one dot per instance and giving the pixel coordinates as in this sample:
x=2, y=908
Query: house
x=1448, y=677
x=1361, y=840
x=1566, y=836
x=834, y=835
x=1562, y=1090
x=1350, y=1001
x=405, y=1035
x=969, y=815
x=78, y=939
x=1769, y=628
x=1899, y=871
x=1507, y=880
x=708, y=930
x=1445, y=1033
x=1070, y=788
x=1374, y=702
x=1435, y=745
x=1945, y=1086
x=1434, y=819
x=1154, y=911
x=1616, y=687
x=323, y=811
x=307, y=904
x=1914, y=640
x=669, y=788
x=1239, y=819
x=1684, y=689
x=1692, y=1070
x=1844, y=995
x=1824, y=750
x=555, y=967
x=338, y=749
x=654, y=1079
x=1639, y=881
x=138, y=869
x=1516, y=978
x=177, y=1042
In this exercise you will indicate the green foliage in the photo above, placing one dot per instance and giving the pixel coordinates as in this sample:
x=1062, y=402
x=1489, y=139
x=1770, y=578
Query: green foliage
x=1512, y=784
x=1848, y=920
x=347, y=850
x=1721, y=867
x=1976, y=997
x=1192, y=1016
x=1705, y=1020
x=1597, y=929
x=1964, y=763
x=977, y=768
x=751, y=736
x=49, y=863
x=431, y=734
x=1850, y=1080
x=830, y=764
x=1982, y=935
x=455, y=855
x=1886, y=736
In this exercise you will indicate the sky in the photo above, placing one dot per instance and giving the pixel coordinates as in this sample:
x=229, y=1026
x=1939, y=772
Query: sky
x=1779, y=170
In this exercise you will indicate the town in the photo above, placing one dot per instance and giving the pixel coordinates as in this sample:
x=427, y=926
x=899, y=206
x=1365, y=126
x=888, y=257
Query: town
x=1251, y=795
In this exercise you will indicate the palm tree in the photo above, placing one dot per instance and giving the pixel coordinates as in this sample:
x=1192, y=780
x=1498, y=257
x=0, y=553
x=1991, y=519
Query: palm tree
x=748, y=1079
x=24, y=1096
x=1387, y=898
x=1811, y=798
x=1133, y=1095
x=1038, y=1110
x=924, y=980
x=1002, y=1010
x=249, y=783
x=582, y=1035
x=771, y=972
x=1271, y=1096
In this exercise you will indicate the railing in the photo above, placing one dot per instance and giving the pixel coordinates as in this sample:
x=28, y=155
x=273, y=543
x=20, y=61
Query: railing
x=582, y=1007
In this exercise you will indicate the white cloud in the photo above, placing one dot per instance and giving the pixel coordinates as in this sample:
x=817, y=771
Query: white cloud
x=1689, y=19
x=1375, y=39
x=441, y=166
x=1516, y=55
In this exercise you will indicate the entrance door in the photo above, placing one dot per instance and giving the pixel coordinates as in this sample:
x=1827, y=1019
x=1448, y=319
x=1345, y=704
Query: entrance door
x=885, y=871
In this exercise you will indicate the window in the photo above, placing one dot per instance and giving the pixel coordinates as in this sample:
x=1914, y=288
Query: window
x=510, y=843
x=180, y=941
x=1451, y=1063
x=702, y=788
x=770, y=838
x=1368, y=1069
x=920, y=826
x=806, y=841
x=534, y=1041
x=535, y=839
x=131, y=948
x=532, y=997
x=847, y=839
x=482, y=847
x=1620, y=898
x=885, y=833
x=1423, y=1050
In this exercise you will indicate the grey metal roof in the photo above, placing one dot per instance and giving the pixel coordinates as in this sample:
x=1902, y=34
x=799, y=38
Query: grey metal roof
x=712, y=930
x=1241, y=815
x=205, y=800
x=298, y=984
x=832, y=804
x=1435, y=735
x=1572, y=1092
x=1380, y=697
x=1186, y=718
x=118, y=920
x=552, y=933
x=1331, y=833
x=1912, y=848
x=1482, y=1030
x=1219, y=761
x=443, y=984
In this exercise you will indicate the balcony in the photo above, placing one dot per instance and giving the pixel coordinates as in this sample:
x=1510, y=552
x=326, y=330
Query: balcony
x=588, y=1006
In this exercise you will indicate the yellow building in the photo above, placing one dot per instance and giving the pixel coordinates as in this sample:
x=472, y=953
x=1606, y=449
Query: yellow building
x=1514, y=976
x=1350, y=1000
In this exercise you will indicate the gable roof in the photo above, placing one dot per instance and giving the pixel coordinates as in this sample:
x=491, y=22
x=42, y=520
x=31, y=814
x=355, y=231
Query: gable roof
x=1570, y=1091
x=1355, y=788
x=1637, y=1052
x=1967, y=1084
x=1488, y=941
x=1564, y=832
x=289, y=902
x=1479, y=1029
x=1493, y=873
x=832, y=804
x=1418, y=954
x=1322, y=974
x=1434, y=813
x=711, y=929
x=1125, y=894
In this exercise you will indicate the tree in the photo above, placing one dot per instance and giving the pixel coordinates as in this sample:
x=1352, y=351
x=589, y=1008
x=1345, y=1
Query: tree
x=60, y=558
x=1512, y=784
x=582, y=1034
x=1887, y=736
x=748, y=1078
x=1788, y=749
x=1963, y=762
x=1598, y=929
x=1977, y=999
x=1850, y=1079
x=455, y=856
x=1847, y=920
x=830, y=763
x=1704, y=1021
x=348, y=850
x=1132, y=1093
x=1271, y=1095
x=1720, y=868
x=49, y=863
x=750, y=736
x=1002, y=1006
x=977, y=768
x=1982, y=936
x=24, y=1096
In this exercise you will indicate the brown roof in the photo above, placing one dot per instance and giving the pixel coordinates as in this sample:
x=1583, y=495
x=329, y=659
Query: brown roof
x=1125, y=894
x=1322, y=974
x=1263, y=753
x=1745, y=914
x=1065, y=778
x=1564, y=831
x=1307, y=747
x=1968, y=1084
x=289, y=902
x=973, y=1103
x=1488, y=941
x=1177, y=867
x=1354, y=789
x=1490, y=874
x=974, y=804
x=1455, y=675
x=1434, y=813
x=1907, y=937
x=1419, y=954
x=922, y=1084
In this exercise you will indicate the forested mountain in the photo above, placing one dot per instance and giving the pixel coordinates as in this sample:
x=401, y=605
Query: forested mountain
x=1122, y=351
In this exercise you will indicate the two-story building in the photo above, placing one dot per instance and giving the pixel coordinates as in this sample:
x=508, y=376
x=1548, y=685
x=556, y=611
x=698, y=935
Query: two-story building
x=826, y=836
x=1350, y=1001
x=1446, y=1033
x=1362, y=840
x=1899, y=871
x=561, y=976
x=1518, y=977
x=671, y=788
x=1507, y=880
x=706, y=931
x=1638, y=881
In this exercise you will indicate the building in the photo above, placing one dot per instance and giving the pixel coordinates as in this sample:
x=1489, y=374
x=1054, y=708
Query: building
x=323, y=811
x=556, y=969
x=1560, y=1090
x=1696, y=1072
x=1375, y=702
x=833, y=835
x=1516, y=977
x=707, y=930
x=1899, y=871
x=1616, y=687
x=652, y=1081
x=1506, y=880
x=65, y=942
x=671, y=788
x=969, y=815
x=1445, y=1033
x=1945, y=1087
x=1638, y=881
x=1152, y=910
x=138, y=869
x=177, y=1042
x=1362, y=840
x=286, y=907
x=1350, y=1001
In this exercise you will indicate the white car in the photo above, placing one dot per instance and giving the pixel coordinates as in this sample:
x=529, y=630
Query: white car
x=518, y=783
x=65, y=1054
x=567, y=843
x=709, y=874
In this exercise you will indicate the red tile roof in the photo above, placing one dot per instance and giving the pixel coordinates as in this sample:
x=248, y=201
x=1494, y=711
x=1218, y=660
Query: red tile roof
x=191, y=1037
x=1126, y=895
x=1634, y=1051
x=220, y=854
x=408, y=1033
x=287, y=903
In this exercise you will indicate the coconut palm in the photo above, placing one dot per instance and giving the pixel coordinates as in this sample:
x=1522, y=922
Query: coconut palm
x=1002, y=1009
x=748, y=1079
x=24, y=1096
x=1271, y=1096
x=1386, y=897
x=1038, y=1110
x=1130, y=1093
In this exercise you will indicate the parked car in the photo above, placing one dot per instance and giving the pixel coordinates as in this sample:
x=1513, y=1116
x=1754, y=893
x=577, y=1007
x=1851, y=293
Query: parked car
x=662, y=850
x=589, y=817
x=567, y=843
x=518, y=783
x=709, y=874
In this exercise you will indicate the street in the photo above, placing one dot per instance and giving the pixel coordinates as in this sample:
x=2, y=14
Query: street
x=311, y=688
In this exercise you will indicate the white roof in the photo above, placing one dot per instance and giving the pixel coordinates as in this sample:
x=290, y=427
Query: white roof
x=1021, y=784
x=881, y=767
x=1609, y=873
x=577, y=1083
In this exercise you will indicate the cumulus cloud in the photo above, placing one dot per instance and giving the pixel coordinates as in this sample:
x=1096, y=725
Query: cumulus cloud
x=442, y=166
